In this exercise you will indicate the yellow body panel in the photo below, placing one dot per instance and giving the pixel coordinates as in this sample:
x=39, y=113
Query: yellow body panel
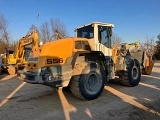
x=56, y=50
x=11, y=60
x=55, y=53
x=114, y=54
x=149, y=63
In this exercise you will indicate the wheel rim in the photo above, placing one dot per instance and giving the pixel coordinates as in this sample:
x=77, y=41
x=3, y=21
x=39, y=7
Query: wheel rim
x=135, y=73
x=92, y=83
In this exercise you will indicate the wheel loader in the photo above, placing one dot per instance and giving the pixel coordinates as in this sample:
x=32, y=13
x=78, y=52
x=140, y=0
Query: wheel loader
x=12, y=61
x=84, y=63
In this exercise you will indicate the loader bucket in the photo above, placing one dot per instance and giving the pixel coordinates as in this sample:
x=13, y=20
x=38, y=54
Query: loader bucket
x=145, y=61
x=114, y=54
x=149, y=63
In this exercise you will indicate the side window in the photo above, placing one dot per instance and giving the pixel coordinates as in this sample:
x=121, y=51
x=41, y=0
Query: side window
x=103, y=37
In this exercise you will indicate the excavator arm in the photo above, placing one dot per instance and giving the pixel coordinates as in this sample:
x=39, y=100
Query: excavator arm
x=12, y=62
x=136, y=45
x=30, y=39
x=126, y=48
x=145, y=61
x=59, y=35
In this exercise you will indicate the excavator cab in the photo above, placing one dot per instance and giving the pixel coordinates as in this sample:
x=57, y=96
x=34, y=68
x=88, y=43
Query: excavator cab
x=27, y=52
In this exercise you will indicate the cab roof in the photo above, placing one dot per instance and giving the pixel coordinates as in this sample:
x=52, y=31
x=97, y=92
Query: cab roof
x=98, y=23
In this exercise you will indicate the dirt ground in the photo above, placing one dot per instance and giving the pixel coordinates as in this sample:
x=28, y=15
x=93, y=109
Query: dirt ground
x=23, y=101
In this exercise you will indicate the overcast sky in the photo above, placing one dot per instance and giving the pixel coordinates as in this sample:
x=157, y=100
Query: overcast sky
x=134, y=20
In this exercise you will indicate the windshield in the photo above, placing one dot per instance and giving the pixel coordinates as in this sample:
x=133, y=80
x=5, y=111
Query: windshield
x=27, y=53
x=85, y=32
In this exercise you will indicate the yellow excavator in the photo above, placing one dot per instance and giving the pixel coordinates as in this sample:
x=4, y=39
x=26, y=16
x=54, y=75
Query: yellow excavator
x=135, y=50
x=84, y=63
x=12, y=61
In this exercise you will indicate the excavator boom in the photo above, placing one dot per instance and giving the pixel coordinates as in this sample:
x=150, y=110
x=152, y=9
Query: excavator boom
x=30, y=39
x=58, y=35
x=17, y=60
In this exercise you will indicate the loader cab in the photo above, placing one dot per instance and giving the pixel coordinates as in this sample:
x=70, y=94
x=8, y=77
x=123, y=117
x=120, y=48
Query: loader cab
x=99, y=35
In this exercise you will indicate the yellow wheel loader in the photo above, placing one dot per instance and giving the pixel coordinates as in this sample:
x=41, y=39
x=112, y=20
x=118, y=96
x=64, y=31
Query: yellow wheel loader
x=12, y=61
x=85, y=63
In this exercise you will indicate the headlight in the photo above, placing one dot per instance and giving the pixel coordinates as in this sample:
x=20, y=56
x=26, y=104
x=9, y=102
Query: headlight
x=49, y=77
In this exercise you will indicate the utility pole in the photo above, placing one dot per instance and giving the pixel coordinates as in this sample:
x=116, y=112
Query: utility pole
x=37, y=20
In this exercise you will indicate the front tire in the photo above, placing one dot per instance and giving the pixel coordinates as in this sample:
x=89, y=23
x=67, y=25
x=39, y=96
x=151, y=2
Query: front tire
x=87, y=81
x=132, y=76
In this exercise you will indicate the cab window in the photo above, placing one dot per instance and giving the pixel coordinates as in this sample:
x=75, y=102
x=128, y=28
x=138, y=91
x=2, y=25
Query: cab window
x=103, y=35
x=86, y=32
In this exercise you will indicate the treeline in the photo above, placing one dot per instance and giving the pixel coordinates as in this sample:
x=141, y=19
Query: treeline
x=156, y=54
x=47, y=33
x=5, y=41
x=47, y=30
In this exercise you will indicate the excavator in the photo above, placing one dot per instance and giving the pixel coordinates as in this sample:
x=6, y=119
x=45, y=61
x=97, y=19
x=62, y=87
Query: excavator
x=146, y=62
x=14, y=61
x=85, y=63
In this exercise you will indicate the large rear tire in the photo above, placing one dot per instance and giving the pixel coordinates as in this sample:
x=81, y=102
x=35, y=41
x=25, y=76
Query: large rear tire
x=132, y=76
x=87, y=81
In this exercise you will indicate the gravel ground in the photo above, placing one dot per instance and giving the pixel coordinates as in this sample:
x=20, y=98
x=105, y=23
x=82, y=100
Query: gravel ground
x=23, y=101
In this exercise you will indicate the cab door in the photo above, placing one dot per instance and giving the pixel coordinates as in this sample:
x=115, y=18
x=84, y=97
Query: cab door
x=104, y=40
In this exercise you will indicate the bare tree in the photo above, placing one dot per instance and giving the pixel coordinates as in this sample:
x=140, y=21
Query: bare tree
x=3, y=28
x=45, y=32
x=148, y=46
x=157, y=49
x=32, y=28
x=56, y=24
x=4, y=34
x=116, y=40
